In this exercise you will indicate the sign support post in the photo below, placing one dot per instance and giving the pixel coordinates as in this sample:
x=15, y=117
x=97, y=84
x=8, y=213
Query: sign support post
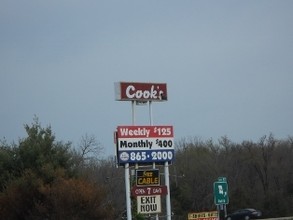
x=221, y=197
x=168, y=199
x=127, y=192
x=126, y=171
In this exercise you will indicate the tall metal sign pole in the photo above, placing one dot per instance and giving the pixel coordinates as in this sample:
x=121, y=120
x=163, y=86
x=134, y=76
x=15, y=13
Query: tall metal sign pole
x=221, y=197
x=140, y=145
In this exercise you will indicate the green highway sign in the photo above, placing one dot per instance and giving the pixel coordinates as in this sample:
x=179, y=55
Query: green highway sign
x=222, y=179
x=221, y=193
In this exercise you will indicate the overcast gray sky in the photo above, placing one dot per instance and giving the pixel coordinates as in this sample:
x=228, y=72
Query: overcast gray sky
x=227, y=64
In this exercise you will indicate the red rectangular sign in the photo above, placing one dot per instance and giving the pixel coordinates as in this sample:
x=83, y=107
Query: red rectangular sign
x=145, y=131
x=148, y=190
x=128, y=91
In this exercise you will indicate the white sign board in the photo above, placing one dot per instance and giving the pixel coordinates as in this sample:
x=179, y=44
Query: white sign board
x=145, y=144
x=149, y=204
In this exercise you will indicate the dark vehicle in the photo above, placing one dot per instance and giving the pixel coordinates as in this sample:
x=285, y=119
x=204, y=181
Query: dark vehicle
x=244, y=214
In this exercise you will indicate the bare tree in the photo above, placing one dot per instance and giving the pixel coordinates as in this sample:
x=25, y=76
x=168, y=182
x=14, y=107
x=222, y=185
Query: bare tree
x=90, y=148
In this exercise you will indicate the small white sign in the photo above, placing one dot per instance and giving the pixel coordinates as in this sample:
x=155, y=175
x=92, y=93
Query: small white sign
x=149, y=204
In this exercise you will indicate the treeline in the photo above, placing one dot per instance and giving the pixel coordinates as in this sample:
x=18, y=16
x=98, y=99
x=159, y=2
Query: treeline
x=259, y=175
x=42, y=178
